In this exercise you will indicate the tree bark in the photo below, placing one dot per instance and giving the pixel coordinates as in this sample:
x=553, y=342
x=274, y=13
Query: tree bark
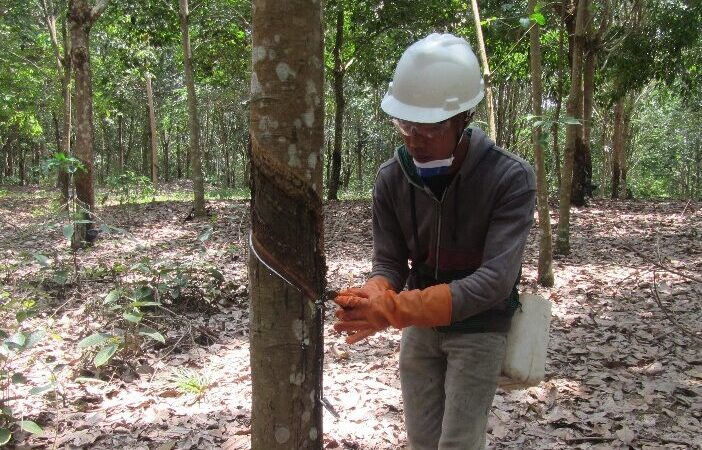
x=490, y=105
x=286, y=218
x=334, y=178
x=582, y=169
x=120, y=143
x=82, y=17
x=153, y=133
x=193, y=123
x=617, y=145
x=63, y=66
x=574, y=109
x=166, y=142
x=559, y=96
x=545, y=266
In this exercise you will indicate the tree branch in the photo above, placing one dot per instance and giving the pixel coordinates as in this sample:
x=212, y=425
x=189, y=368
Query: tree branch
x=656, y=297
x=98, y=9
x=661, y=266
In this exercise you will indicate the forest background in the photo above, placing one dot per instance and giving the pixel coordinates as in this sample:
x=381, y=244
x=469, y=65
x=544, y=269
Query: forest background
x=111, y=109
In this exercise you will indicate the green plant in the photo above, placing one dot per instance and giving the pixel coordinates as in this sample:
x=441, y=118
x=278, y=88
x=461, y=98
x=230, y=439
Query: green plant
x=63, y=163
x=128, y=187
x=189, y=381
x=129, y=307
x=14, y=343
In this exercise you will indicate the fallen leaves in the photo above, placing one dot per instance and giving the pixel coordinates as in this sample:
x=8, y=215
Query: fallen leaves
x=619, y=373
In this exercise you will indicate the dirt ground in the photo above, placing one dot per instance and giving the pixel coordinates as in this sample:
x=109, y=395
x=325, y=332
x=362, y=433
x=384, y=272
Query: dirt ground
x=624, y=367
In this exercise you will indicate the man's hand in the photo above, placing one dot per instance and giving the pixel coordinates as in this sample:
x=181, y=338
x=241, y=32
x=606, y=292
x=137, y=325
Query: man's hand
x=366, y=315
x=373, y=286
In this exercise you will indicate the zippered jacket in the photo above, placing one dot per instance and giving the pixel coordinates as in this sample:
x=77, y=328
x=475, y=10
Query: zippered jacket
x=473, y=237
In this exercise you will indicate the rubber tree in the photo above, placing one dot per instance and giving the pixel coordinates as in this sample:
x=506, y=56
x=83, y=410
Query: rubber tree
x=193, y=120
x=574, y=109
x=49, y=13
x=153, y=133
x=286, y=261
x=82, y=16
x=340, y=101
x=545, y=269
x=489, y=102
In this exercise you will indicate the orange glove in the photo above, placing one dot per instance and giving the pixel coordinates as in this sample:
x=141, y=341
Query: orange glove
x=373, y=286
x=365, y=315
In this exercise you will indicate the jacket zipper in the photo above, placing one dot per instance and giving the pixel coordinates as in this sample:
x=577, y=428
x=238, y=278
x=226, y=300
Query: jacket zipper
x=438, y=232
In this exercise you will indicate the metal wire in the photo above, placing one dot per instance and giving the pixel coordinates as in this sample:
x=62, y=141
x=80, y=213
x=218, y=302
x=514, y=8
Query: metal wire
x=318, y=302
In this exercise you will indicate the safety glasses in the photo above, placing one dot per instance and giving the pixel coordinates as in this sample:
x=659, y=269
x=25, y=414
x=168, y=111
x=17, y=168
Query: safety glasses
x=424, y=130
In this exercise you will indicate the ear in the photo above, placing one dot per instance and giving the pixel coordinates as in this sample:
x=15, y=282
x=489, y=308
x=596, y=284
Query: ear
x=469, y=117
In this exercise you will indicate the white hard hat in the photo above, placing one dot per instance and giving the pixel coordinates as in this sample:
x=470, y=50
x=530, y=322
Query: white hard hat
x=436, y=78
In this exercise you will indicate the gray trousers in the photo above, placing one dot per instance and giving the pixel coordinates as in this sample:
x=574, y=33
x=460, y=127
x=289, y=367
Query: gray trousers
x=448, y=384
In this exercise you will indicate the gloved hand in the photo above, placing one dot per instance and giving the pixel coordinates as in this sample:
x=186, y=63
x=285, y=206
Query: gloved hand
x=365, y=315
x=373, y=286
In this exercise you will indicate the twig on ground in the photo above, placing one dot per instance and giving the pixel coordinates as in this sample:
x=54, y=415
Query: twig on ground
x=661, y=266
x=579, y=440
x=201, y=329
x=654, y=290
x=685, y=208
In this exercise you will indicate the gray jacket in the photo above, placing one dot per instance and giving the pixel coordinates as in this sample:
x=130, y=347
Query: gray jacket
x=472, y=238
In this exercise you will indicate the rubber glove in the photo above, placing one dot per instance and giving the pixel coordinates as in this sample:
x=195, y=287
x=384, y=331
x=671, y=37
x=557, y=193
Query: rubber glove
x=364, y=316
x=373, y=286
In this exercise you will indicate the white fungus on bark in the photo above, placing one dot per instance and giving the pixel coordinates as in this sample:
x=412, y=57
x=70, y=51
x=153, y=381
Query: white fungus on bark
x=259, y=54
x=312, y=161
x=282, y=435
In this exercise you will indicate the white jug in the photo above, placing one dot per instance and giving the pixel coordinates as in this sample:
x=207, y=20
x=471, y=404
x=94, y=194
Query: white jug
x=525, y=360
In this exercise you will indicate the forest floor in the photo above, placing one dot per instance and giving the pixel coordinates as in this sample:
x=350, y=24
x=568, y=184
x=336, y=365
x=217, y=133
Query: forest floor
x=624, y=367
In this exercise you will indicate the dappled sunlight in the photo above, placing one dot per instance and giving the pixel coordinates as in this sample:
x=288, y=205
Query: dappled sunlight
x=615, y=363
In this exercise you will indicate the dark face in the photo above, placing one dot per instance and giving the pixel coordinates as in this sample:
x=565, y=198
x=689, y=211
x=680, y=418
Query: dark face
x=440, y=144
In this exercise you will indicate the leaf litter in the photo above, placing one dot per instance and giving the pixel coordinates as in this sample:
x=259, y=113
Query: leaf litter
x=620, y=374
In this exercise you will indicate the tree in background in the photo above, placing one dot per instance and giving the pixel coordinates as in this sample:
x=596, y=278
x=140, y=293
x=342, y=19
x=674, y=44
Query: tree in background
x=489, y=103
x=153, y=134
x=193, y=119
x=286, y=262
x=82, y=16
x=574, y=109
x=49, y=14
x=545, y=267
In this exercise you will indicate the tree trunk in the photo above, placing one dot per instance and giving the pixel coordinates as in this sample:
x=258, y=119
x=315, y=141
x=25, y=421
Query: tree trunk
x=559, y=96
x=179, y=158
x=57, y=130
x=166, y=140
x=193, y=124
x=617, y=145
x=340, y=101
x=625, y=154
x=490, y=105
x=582, y=169
x=130, y=139
x=120, y=143
x=224, y=142
x=286, y=214
x=82, y=17
x=545, y=270
x=105, y=149
x=153, y=133
x=574, y=109
x=361, y=140
x=63, y=66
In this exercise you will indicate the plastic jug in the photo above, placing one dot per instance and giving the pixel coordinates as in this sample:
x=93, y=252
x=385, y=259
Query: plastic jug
x=527, y=340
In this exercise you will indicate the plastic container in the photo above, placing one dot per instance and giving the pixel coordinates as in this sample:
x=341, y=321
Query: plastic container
x=525, y=361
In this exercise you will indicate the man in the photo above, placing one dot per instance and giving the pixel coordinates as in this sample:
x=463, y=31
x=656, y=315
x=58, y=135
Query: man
x=459, y=208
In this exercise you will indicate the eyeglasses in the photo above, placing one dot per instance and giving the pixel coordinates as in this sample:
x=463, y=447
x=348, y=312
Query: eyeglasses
x=425, y=130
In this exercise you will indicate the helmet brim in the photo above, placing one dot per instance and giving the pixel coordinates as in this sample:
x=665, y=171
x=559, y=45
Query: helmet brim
x=395, y=108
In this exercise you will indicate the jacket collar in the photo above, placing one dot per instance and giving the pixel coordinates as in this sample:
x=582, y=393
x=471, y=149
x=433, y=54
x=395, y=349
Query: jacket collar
x=480, y=143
